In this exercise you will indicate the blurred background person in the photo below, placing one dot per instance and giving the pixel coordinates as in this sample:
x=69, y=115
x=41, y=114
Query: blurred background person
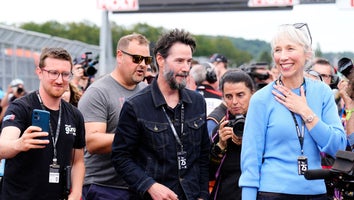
x=72, y=95
x=260, y=73
x=225, y=126
x=150, y=74
x=207, y=83
x=83, y=71
x=346, y=91
x=325, y=69
x=220, y=63
x=15, y=90
x=345, y=68
x=190, y=81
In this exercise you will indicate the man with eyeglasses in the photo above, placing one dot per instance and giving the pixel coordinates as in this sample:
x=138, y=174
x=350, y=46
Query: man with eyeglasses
x=39, y=163
x=324, y=68
x=100, y=105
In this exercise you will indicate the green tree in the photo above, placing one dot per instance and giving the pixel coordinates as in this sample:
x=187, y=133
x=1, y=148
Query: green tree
x=318, y=52
x=265, y=57
x=237, y=50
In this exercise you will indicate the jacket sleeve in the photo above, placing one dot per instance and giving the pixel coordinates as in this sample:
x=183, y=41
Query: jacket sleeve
x=125, y=142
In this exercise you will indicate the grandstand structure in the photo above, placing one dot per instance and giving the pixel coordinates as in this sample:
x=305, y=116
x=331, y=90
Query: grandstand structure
x=19, y=48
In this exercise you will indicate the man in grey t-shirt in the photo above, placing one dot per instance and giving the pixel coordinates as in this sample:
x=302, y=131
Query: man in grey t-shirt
x=100, y=106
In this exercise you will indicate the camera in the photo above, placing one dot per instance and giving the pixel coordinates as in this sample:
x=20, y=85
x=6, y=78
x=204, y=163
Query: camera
x=345, y=66
x=340, y=177
x=237, y=124
x=18, y=89
x=88, y=64
x=259, y=73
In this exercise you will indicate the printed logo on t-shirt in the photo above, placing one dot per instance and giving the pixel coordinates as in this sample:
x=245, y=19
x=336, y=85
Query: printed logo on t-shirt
x=70, y=130
x=9, y=117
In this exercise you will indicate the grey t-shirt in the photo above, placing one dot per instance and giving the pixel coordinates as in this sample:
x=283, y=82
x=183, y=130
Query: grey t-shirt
x=102, y=102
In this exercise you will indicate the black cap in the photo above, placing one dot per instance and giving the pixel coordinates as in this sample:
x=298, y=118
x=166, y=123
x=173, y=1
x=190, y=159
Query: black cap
x=218, y=58
x=345, y=66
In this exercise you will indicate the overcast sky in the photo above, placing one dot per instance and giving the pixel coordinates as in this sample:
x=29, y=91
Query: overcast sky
x=331, y=25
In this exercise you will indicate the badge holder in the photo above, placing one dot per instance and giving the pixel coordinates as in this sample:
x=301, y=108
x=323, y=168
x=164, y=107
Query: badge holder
x=182, y=159
x=302, y=165
x=54, y=173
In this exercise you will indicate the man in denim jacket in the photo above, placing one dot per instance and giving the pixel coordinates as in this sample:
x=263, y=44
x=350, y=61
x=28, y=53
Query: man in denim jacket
x=161, y=144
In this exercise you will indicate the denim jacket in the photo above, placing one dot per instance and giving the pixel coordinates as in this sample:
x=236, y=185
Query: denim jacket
x=145, y=149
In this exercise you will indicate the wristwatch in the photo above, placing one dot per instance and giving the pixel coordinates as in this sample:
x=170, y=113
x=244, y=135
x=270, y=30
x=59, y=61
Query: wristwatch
x=217, y=150
x=310, y=118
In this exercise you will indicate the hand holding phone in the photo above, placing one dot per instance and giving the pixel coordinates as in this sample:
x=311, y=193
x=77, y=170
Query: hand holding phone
x=41, y=118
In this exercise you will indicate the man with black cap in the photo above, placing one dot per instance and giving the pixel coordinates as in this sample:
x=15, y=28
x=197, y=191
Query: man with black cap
x=220, y=63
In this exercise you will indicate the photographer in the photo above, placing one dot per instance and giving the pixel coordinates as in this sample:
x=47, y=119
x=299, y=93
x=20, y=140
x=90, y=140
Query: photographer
x=346, y=91
x=15, y=90
x=260, y=73
x=83, y=71
x=225, y=126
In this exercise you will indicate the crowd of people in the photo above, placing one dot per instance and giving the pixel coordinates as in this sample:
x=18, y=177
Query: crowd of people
x=165, y=126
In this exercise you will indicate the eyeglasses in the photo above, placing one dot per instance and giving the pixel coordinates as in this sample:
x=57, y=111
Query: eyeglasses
x=315, y=74
x=300, y=26
x=326, y=76
x=53, y=74
x=138, y=58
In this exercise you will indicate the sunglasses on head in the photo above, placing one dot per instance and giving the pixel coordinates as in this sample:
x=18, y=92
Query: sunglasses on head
x=138, y=58
x=300, y=26
x=303, y=27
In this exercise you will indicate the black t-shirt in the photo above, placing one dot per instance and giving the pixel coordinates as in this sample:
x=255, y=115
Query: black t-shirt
x=26, y=175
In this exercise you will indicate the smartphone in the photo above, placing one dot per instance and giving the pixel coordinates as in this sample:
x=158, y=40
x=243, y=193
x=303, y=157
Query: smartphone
x=41, y=118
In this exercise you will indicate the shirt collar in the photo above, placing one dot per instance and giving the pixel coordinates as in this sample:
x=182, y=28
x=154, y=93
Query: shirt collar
x=158, y=98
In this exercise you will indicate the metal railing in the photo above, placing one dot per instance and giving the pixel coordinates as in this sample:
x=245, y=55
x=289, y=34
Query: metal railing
x=19, y=47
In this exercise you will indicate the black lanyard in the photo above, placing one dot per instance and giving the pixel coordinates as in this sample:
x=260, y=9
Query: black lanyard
x=54, y=138
x=300, y=133
x=173, y=128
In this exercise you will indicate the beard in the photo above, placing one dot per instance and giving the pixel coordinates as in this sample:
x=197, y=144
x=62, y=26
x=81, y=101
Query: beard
x=172, y=81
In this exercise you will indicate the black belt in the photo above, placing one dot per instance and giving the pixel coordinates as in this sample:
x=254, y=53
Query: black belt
x=290, y=196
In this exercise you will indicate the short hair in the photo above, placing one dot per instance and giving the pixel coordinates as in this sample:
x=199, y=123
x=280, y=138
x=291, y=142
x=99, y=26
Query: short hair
x=295, y=34
x=322, y=61
x=54, y=52
x=124, y=41
x=166, y=41
x=236, y=76
x=203, y=72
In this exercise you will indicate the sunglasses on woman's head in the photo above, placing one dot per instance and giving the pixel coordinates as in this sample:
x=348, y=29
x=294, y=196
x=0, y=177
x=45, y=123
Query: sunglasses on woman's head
x=301, y=26
x=138, y=58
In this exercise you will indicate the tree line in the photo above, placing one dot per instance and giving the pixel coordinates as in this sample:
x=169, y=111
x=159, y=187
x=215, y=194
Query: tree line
x=237, y=50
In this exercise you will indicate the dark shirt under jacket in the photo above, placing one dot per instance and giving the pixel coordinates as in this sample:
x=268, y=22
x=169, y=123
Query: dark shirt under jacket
x=144, y=149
